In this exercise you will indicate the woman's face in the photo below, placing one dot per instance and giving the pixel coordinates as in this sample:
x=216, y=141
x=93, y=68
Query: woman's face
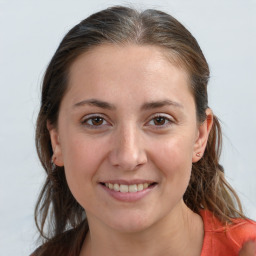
x=127, y=123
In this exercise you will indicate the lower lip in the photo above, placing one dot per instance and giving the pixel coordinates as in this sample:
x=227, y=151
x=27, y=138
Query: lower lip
x=128, y=197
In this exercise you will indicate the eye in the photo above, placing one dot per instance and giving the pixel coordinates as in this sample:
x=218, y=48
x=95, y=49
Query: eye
x=160, y=120
x=94, y=121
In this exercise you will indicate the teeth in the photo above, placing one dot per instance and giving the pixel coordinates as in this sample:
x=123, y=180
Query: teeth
x=133, y=188
x=145, y=185
x=124, y=188
x=116, y=187
x=127, y=188
x=140, y=187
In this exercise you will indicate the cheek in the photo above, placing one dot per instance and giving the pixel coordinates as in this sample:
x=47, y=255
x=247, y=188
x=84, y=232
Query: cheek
x=173, y=152
x=82, y=157
x=173, y=158
x=81, y=152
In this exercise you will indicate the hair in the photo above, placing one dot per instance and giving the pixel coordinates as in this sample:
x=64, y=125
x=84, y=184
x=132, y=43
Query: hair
x=208, y=189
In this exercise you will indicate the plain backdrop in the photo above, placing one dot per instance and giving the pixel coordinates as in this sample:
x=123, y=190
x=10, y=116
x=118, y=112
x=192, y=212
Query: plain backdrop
x=30, y=32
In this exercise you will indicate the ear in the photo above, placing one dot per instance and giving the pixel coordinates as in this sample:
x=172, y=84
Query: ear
x=202, y=136
x=56, y=147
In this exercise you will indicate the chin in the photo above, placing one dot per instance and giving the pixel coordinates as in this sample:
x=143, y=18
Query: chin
x=131, y=223
x=130, y=228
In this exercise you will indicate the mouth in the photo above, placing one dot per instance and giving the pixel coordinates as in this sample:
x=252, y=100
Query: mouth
x=128, y=188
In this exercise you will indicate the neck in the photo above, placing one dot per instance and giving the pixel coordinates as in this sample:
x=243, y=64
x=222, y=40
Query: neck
x=180, y=233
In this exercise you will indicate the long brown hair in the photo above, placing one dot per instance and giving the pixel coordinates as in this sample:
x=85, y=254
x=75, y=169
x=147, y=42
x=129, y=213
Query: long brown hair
x=207, y=189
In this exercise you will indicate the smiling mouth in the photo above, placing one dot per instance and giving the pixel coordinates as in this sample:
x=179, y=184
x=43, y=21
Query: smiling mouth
x=132, y=188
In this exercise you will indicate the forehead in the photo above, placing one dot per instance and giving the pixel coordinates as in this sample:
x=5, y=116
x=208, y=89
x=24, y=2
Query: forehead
x=108, y=56
x=109, y=70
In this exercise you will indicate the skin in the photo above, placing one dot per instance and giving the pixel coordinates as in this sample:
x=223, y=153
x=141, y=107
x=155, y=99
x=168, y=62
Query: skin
x=126, y=141
x=248, y=249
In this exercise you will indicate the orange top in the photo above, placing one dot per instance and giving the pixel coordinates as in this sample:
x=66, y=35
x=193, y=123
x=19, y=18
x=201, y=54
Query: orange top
x=225, y=240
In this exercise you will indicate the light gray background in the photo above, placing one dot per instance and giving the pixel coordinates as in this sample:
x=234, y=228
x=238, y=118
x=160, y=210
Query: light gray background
x=30, y=32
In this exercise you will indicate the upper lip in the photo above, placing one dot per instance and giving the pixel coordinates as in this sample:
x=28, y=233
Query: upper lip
x=128, y=182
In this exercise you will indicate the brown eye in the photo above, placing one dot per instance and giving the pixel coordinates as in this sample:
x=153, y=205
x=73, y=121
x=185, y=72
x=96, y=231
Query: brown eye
x=97, y=120
x=160, y=120
x=94, y=122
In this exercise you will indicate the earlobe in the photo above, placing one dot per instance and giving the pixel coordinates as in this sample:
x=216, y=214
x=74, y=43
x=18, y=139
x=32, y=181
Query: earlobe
x=56, y=146
x=203, y=134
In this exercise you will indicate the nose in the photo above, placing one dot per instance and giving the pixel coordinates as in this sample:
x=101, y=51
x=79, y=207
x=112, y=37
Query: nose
x=127, y=149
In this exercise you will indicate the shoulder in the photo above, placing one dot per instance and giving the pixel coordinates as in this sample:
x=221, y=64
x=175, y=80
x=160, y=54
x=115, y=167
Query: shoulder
x=242, y=231
x=225, y=239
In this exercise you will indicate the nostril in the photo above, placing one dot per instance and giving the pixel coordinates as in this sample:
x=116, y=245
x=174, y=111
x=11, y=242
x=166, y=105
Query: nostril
x=127, y=153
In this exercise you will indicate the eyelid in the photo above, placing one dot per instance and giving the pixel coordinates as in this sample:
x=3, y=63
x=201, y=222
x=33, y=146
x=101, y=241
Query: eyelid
x=168, y=117
x=94, y=115
x=170, y=120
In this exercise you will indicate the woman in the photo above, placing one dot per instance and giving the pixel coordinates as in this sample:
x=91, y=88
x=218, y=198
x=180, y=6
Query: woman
x=130, y=147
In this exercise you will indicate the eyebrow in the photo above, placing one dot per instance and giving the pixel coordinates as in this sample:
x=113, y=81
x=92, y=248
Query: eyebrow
x=159, y=104
x=145, y=106
x=96, y=103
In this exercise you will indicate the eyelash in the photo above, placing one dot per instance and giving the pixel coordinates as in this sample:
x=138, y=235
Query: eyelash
x=89, y=122
x=167, y=121
x=93, y=118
